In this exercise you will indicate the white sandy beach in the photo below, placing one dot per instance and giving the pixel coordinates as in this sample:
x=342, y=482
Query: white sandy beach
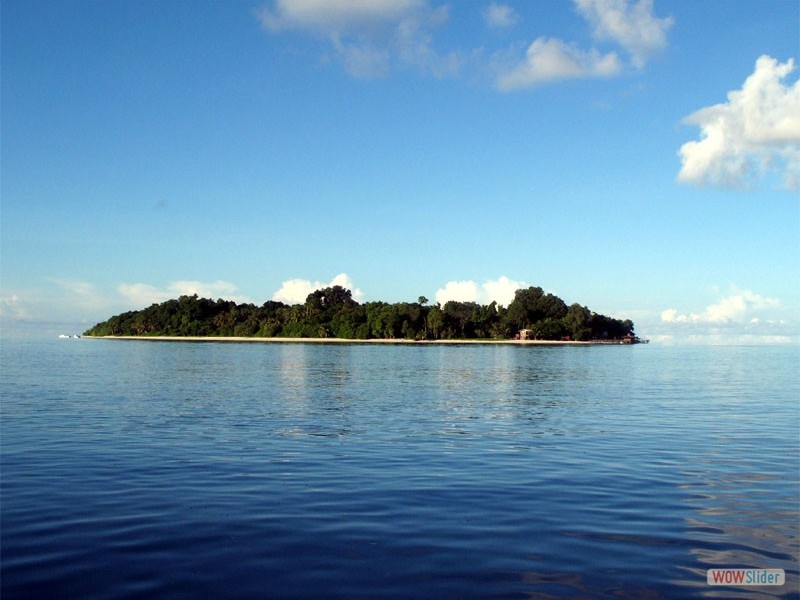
x=288, y=340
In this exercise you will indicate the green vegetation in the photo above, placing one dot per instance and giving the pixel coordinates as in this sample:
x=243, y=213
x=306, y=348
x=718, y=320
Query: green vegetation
x=332, y=313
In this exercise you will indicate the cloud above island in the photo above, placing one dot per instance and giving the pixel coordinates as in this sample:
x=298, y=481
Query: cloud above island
x=143, y=294
x=500, y=290
x=295, y=291
x=757, y=131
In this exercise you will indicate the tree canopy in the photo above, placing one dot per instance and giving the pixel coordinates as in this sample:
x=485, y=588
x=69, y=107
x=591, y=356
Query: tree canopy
x=332, y=312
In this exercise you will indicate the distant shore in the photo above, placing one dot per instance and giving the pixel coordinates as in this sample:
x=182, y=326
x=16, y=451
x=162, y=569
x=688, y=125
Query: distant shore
x=290, y=340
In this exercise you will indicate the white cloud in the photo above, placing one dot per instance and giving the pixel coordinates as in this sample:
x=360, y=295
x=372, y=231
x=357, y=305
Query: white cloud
x=59, y=300
x=80, y=289
x=499, y=290
x=502, y=290
x=459, y=291
x=13, y=307
x=551, y=59
x=631, y=25
x=80, y=295
x=737, y=308
x=499, y=16
x=363, y=60
x=723, y=339
x=756, y=131
x=295, y=291
x=330, y=16
x=142, y=294
x=369, y=37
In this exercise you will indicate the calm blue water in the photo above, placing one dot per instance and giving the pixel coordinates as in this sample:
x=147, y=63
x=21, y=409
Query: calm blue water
x=208, y=470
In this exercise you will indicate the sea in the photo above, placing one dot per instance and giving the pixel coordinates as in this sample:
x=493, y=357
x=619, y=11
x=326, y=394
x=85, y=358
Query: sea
x=140, y=469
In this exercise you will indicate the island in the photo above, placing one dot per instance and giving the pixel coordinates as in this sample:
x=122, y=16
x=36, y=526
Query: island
x=331, y=313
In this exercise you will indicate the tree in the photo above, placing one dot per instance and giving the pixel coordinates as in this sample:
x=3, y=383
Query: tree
x=325, y=302
x=485, y=318
x=390, y=322
x=577, y=322
x=435, y=322
x=461, y=317
x=345, y=323
x=549, y=329
x=604, y=327
x=551, y=307
x=524, y=310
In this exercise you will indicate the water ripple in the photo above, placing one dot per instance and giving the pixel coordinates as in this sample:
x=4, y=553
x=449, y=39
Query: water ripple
x=142, y=470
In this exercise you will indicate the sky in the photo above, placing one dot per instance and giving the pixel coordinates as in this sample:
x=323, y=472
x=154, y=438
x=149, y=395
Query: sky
x=641, y=158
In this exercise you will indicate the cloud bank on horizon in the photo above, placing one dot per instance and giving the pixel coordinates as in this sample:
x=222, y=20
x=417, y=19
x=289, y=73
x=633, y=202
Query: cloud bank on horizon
x=740, y=315
x=738, y=307
x=142, y=294
x=295, y=291
x=753, y=317
x=83, y=295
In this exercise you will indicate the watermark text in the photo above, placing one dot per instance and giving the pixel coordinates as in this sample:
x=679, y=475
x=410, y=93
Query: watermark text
x=746, y=577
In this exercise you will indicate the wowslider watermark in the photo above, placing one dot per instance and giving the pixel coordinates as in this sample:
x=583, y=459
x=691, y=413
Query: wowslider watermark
x=746, y=577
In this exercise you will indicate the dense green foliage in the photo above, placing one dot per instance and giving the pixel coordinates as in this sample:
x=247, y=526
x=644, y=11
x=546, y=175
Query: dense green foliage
x=332, y=312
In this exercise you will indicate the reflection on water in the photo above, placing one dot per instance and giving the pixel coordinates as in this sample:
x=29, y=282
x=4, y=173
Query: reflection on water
x=742, y=488
x=240, y=471
x=314, y=389
x=739, y=522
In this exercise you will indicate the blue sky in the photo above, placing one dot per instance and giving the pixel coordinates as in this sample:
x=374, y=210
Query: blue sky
x=641, y=158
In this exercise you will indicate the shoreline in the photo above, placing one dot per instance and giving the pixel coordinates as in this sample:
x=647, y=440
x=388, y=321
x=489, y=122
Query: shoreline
x=289, y=340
